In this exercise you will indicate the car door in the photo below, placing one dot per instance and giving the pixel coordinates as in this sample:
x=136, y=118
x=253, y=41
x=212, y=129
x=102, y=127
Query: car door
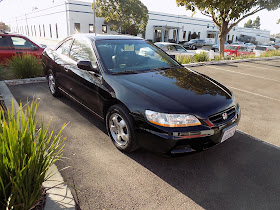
x=84, y=84
x=62, y=64
x=6, y=48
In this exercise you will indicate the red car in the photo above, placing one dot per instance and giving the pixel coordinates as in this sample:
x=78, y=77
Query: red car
x=12, y=44
x=238, y=50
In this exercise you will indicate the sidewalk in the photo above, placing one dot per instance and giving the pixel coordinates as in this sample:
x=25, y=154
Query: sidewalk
x=58, y=195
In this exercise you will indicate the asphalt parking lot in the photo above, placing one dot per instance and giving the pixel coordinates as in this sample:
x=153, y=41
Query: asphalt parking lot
x=241, y=173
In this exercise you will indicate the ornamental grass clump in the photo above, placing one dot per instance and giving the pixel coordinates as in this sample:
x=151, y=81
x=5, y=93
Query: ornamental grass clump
x=271, y=53
x=184, y=59
x=25, y=66
x=201, y=57
x=27, y=150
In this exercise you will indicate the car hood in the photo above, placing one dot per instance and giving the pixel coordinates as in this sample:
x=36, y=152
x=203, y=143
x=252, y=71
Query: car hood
x=177, y=91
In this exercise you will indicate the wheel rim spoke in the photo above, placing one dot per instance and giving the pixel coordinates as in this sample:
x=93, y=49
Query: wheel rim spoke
x=118, y=129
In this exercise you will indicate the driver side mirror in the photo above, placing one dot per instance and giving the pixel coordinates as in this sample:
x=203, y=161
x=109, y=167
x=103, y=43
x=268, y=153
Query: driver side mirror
x=87, y=65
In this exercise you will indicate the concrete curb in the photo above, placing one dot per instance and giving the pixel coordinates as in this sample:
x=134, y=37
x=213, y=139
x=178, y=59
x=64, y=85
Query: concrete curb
x=25, y=81
x=58, y=194
x=230, y=61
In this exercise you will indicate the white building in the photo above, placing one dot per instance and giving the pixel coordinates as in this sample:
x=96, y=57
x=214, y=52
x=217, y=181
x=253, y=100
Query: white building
x=64, y=17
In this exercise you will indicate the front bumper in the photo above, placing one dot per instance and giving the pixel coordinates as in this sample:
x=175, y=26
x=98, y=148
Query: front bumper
x=180, y=141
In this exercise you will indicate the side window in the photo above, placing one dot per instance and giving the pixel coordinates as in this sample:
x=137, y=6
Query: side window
x=242, y=49
x=6, y=43
x=65, y=47
x=171, y=48
x=22, y=44
x=179, y=48
x=81, y=50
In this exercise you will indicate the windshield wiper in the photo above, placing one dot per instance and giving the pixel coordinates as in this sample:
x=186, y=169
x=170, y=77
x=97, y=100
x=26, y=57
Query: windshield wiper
x=165, y=68
x=126, y=72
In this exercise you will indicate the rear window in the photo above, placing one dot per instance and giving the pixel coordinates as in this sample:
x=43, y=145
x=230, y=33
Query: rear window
x=6, y=43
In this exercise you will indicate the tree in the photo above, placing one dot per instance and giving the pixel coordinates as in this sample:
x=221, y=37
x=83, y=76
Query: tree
x=194, y=35
x=249, y=24
x=124, y=16
x=257, y=23
x=278, y=22
x=228, y=13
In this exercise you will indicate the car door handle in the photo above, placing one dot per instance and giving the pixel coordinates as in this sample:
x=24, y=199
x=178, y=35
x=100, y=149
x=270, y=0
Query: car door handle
x=18, y=52
x=66, y=69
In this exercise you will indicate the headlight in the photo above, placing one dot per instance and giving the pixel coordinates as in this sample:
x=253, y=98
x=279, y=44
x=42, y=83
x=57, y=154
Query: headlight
x=171, y=120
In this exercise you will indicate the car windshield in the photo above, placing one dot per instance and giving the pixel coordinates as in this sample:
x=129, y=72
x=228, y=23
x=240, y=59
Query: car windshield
x=132, y=56
x=231, y=47
x=193, y=40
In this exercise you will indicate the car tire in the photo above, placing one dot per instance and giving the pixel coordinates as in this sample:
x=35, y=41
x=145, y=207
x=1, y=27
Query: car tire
x=120, y=128
x=193, y=47
x=53, y=87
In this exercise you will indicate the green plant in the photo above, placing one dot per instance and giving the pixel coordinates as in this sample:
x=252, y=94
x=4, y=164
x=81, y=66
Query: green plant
x=184, y=59
x=218, y=57
x=25, y=66
x=245, y=56
x=27, y=150
x=271, y=53
x=201, y=57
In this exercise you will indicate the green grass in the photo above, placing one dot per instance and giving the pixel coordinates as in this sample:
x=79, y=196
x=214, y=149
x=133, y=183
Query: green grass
x=24, y=66
x=201, y=57
x=27, y=150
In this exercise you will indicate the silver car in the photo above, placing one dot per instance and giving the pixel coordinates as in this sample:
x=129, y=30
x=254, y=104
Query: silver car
x=173, y=49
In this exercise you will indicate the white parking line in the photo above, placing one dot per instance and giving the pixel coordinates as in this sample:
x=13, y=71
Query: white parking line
x=243, y=74
x=258, y=67
x=256, y=94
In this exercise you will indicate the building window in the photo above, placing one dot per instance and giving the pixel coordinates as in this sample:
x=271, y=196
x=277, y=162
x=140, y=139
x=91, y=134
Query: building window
x=232, y=38
x=28, y=30
x=198, y=36
x=228, y=37
x=31, y=30
x=91, y=29
x=189, y=35
x=56, y=30
x=104, y=29
x=77, y=27
x=40, y=30
x=50, y=30
x=210, y=36
x=44, y=30
x=35, y=30
x=184, y=36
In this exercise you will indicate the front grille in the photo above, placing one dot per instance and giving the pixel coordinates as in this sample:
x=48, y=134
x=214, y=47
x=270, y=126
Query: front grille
x=218, y=118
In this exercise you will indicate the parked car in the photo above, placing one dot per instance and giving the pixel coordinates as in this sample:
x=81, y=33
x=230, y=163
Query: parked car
x=194, y=44
x=216, y=48
x=251, y=46
x=151, y=102
x=264, y=48
x=277, y=46
x=238, y=50
x=16, y=44
x=173, y=49
x=238, y=43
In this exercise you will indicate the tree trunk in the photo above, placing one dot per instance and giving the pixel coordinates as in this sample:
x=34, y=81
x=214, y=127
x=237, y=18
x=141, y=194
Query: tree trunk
x=222, y=40
x=222, y=37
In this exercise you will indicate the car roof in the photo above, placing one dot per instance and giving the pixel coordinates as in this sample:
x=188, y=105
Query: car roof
x=106, y=37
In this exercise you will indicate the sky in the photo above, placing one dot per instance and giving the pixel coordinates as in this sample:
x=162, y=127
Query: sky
x=268, y=18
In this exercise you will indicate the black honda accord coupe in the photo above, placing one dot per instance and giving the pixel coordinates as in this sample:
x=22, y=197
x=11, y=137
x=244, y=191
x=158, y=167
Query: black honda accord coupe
x=146, y=98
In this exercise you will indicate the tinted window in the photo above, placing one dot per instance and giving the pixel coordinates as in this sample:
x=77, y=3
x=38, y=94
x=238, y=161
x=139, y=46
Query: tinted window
x=65, y=47
x=6, y=43
x=242, y=49
x=171, y=47
x=81, y=50
x=180, y=48
x=231, y=47
x=21, y=43
x=261, y=48
x=135, y=55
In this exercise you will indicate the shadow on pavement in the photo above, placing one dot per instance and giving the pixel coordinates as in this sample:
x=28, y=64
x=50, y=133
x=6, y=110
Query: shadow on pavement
x=241, y=173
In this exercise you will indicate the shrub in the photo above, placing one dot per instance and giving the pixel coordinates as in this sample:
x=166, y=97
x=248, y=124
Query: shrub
x=271, y=53
x=218, y=57
x=25, y=66
x=27, y=150
x=201, y=57
x=184, y=59
x=245, y=56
